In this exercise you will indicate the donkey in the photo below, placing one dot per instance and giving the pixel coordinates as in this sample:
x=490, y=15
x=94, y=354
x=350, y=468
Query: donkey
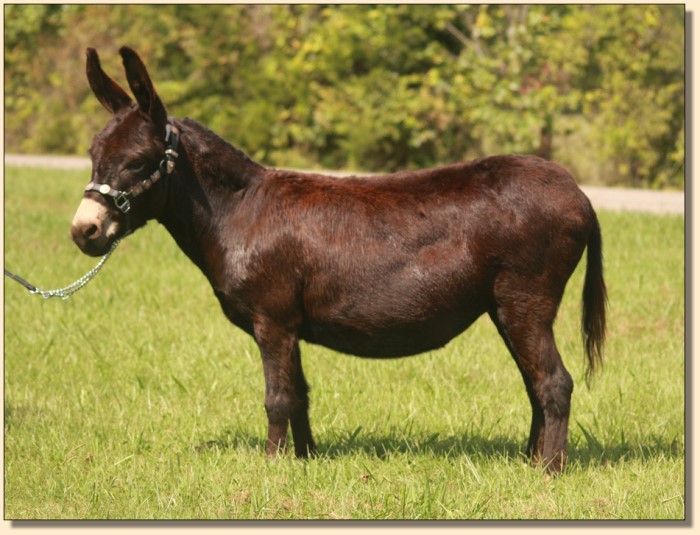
x=379, y=267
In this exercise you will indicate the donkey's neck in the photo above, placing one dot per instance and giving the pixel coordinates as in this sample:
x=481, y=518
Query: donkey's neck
x=211, y=178
x=213, y=161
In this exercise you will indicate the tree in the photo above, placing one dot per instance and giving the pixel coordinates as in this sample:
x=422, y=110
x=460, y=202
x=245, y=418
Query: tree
x=599, y=88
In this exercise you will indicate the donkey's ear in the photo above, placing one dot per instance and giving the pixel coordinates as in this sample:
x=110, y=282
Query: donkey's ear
x=140, y=82
x=107, y=91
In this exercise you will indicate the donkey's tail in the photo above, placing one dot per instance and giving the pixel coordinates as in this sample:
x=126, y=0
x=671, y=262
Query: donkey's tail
x=594, y=302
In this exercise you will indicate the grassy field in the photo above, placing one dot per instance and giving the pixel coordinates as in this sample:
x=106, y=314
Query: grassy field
x=136, y=399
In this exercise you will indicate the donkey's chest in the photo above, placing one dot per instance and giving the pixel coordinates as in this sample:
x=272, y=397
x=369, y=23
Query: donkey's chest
x=249, y=287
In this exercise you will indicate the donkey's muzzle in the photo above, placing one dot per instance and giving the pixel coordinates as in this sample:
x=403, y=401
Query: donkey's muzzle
x=92, y=229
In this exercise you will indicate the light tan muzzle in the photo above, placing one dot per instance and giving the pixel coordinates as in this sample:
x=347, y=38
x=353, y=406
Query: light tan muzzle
x=92, y=228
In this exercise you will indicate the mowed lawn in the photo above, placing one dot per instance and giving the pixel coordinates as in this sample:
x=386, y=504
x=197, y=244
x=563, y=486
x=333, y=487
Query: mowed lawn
x=136, y=399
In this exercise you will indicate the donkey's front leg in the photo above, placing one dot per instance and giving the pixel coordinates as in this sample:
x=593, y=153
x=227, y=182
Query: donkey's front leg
x=286, y=391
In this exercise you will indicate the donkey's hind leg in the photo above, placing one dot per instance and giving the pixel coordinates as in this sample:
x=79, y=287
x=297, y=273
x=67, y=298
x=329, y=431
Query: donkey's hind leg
x=525, y=324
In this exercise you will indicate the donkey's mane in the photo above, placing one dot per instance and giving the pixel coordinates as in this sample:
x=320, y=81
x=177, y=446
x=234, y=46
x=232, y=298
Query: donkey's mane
x=210, y=140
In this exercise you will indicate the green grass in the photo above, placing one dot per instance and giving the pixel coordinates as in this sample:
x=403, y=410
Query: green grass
x=136, y=399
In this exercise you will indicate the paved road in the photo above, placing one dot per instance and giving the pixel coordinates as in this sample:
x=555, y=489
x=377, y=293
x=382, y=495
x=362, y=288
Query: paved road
x=669, y=202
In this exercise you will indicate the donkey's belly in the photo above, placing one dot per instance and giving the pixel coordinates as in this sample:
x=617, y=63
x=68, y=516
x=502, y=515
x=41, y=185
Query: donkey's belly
x=365, y=339
x=411, y=310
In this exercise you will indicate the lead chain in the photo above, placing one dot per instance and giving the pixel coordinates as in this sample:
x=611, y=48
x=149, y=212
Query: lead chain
x=65, y=293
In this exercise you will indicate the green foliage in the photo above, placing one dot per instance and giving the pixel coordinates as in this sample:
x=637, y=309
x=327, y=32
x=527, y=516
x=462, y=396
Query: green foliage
x=599, y=88
x=136, y=399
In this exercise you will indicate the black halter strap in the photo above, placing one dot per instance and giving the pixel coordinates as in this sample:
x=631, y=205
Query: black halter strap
x=122, y=199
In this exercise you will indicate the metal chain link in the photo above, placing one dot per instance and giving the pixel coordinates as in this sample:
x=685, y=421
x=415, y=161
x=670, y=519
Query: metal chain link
x=65, y=293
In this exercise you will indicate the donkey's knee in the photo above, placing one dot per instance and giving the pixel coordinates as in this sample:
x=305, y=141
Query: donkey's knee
x=278, y=412
x=280, y=407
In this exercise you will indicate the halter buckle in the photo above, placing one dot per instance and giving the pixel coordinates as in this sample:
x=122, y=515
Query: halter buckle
x=122, y=203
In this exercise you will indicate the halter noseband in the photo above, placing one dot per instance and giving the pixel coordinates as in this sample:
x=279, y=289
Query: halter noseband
x=122, y=199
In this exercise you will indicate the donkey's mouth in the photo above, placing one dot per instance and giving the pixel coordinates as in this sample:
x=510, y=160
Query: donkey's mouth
x=98, y=247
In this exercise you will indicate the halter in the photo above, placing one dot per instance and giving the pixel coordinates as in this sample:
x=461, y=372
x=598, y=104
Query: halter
x=122, y=199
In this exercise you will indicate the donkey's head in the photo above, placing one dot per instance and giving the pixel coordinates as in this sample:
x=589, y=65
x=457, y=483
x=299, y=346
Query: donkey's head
x=127, y=158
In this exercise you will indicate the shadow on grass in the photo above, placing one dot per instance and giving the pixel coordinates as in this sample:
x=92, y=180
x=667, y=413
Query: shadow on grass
x=653, y=447
x=586, y=454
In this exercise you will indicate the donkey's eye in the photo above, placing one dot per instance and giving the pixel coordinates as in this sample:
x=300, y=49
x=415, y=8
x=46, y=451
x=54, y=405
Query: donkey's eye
x=136, y=166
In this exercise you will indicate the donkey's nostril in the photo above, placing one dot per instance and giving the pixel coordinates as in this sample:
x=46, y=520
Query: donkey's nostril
x=91, y=231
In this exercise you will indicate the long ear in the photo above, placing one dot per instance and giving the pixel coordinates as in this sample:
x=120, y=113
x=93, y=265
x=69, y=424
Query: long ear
x=107, y=91
x=140, y=82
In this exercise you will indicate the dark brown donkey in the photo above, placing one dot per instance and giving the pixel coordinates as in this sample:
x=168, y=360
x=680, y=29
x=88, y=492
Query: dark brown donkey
x=382, y=266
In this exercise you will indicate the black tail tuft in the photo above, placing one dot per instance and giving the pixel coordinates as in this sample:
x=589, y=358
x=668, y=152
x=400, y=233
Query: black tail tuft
x=594, y=302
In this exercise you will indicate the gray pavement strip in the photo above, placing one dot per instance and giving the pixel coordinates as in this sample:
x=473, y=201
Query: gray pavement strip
x=663, y=202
